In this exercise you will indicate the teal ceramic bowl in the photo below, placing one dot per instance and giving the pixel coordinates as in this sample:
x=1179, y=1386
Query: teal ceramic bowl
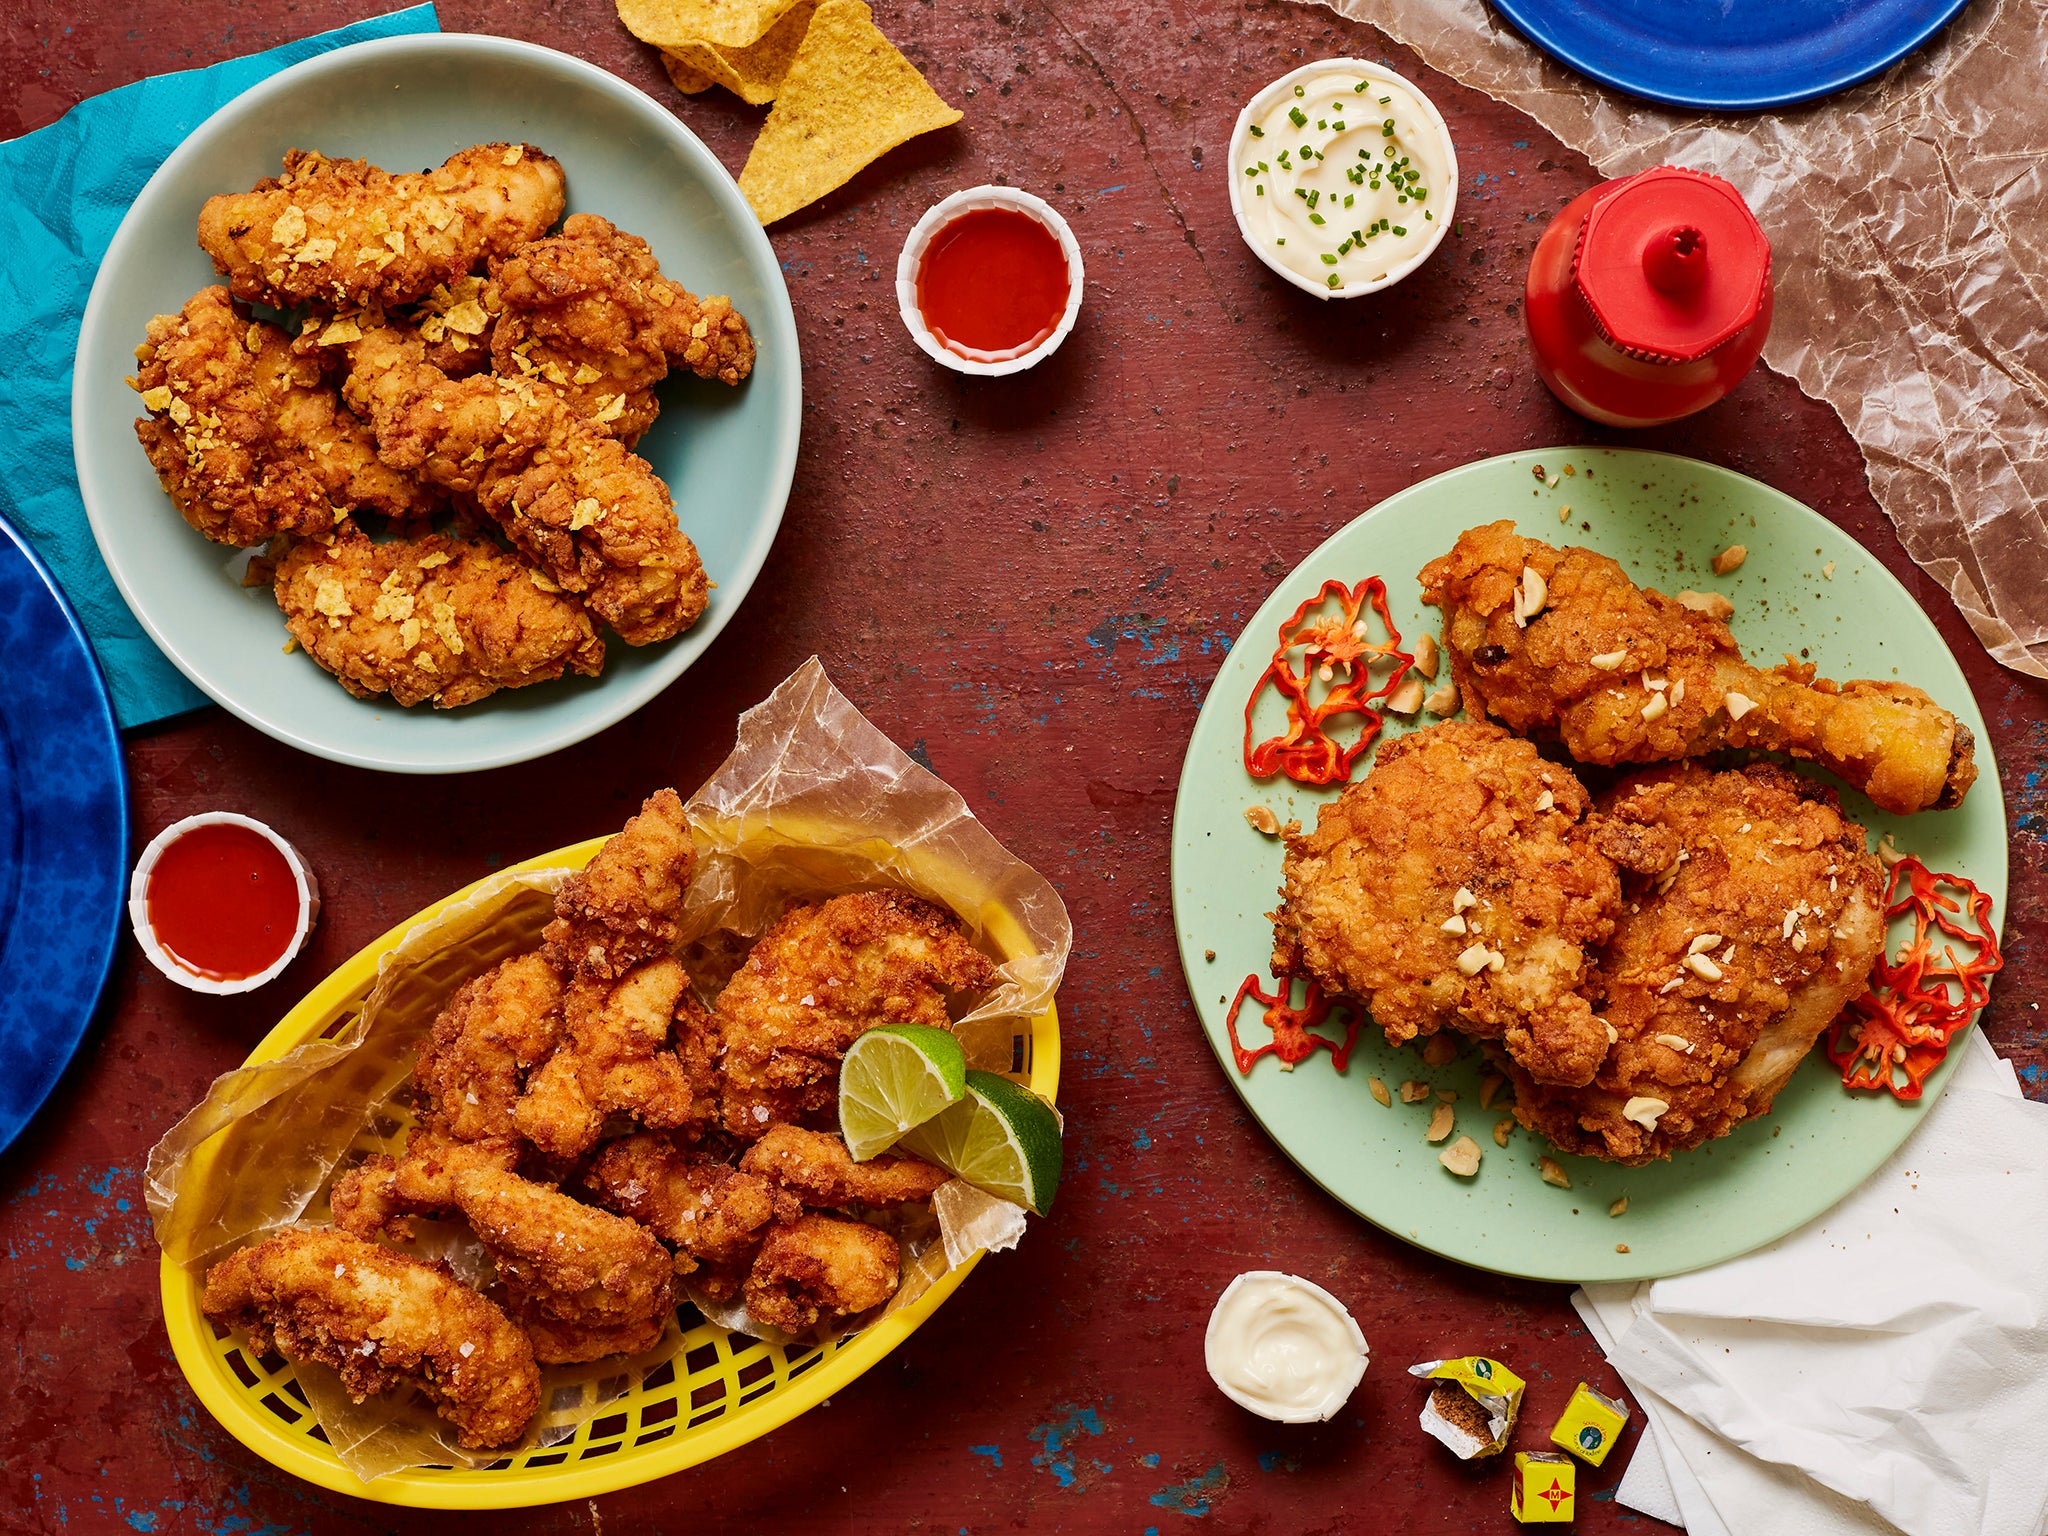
x=407, y=103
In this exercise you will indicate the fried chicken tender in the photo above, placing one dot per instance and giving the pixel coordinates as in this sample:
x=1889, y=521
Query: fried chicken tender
x=626, y=905
x=378, y=1196
x=496, y=1028
x=1754, y=916
x=589, y=311
x=712, y=1214
x=456, y=322
x=816, y=1168
x=596, y=1284
x=820, y=1266
x=343, y=234
x=822, y=974
x=1582, y=668
x=436, y=619
x=616, y=1055
x=383, y=1321
x=1456, y=886
x=248, y=439
x=593, y=517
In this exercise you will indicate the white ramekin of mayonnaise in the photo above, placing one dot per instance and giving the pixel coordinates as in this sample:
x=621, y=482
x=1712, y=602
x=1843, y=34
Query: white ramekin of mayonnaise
x=1284, y=1347
x=1343, y=177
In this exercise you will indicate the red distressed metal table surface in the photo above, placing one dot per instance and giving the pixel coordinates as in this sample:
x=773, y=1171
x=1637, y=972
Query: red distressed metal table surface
x=1029, y=583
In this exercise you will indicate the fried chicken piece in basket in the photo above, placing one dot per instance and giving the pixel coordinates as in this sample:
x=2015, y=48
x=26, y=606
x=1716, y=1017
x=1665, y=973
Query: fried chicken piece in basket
x=589, y=311
x=821, y=1266
x=586, y=1282
x=1456, y=886
x=617, y=1054
x=435, y=619
x=712, y=1214
x=626, y=904
x=494, y=1030
x=821, y=975
x=1582, y=669
x=815, y=1167
x=595, y=519
x=383, y=1321
x=376, y=1198
x=344, y=234
x=1754, y=917
x=248, y=439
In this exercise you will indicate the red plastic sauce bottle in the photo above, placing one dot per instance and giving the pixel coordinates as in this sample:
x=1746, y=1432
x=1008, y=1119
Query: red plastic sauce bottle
x=1649, y=298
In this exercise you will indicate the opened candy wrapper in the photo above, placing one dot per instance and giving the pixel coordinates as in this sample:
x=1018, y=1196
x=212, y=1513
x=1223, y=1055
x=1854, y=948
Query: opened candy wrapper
x=1473, y=1405
x=812, y=802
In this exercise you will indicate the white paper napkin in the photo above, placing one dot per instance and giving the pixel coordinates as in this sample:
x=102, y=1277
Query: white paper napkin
x=1885, y=1367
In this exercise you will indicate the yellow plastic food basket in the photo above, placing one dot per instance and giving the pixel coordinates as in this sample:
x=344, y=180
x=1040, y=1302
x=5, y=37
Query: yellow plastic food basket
x=717, y=1393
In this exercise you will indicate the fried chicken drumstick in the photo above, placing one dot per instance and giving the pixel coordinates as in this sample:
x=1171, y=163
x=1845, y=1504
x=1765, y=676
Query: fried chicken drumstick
x=1623, y=674
x=382, y=1320
x=344, y=234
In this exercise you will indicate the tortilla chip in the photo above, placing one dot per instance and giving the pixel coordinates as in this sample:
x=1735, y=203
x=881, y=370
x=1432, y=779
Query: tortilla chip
x=755, y=73
x=678, y=23
x=848, y=99
x=686, y=77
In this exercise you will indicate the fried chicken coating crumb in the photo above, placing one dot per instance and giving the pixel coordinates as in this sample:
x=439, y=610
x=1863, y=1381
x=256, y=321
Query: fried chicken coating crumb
x=1754, y=915
x=816, y=1168
x=1624, y=674
x=822, y=974
x=383, y=1321
x=589, y=311
x=495, y=1029
x=251, y=441
x=344, y=234
x=434, y=619
x=1456, y=886
x=626, y=905
x=820, y=1266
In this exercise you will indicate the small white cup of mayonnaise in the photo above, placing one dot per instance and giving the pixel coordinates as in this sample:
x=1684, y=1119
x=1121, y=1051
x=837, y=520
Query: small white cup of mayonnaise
x=1343, y=177
x=1284, y=1347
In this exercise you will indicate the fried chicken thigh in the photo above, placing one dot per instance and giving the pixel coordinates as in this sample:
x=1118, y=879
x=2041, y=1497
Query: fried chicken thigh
x=436, y=619
x=249, y=440
x=344, y=234
x=1456, y=886
x=1754, y=916
x=496, y=1028
x=593, y=518
x=383, y=1321
x=815, y=1168
x=1622, y=674
x=822, y=974
x=589, y=311
x=376, y=1198
x=714, y=1215
x=821, y=1266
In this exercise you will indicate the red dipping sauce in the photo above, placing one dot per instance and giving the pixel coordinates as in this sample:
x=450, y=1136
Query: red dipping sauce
x=992, y=284
x=224, y=902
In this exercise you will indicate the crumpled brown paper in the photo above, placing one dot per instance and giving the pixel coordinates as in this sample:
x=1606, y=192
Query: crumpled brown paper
x=813, y=801
x=1910, y=255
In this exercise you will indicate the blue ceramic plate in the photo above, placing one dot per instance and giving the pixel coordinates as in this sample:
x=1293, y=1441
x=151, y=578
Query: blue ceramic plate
x=404, y=103
x=63, y=834
x=1729, y=55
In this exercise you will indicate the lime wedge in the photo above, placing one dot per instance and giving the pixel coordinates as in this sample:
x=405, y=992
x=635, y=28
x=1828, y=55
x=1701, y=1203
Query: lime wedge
x=894, y=1077
x=1000, y=1138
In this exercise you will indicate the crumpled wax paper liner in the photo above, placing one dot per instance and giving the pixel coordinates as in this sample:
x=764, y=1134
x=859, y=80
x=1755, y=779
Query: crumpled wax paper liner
x=813, y=801
x=1910, y=257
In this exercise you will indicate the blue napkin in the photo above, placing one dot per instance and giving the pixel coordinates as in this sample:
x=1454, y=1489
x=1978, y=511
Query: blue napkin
x=63, y=192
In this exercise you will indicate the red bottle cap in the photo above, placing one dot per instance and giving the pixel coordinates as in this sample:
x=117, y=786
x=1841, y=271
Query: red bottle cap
x=1671, y=264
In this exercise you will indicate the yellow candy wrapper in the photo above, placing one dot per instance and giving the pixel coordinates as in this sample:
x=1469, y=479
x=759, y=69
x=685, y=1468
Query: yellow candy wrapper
x=1473, y=1405
x=813, y=801
x=1545, y=1490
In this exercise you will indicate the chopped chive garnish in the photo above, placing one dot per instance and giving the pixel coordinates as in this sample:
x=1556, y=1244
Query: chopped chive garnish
x=1281, y=241
x=1321, y=125
x=1335, y=281
x=1387, y=129
x=1260, y=188
x=1258, y=132
x=1399, y=230
x=1359, y=88
x=1296, y=116
x=1329, y=260
x=1385, y=99
x=1251, y=170
x=1299, y=91
x=1347, y=199
x=1420, y=194
x=1340, y=125
x=1315, y=218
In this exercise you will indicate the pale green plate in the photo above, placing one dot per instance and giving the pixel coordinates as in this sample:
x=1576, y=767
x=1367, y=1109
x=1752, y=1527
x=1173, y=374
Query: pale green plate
x=1663, y=518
